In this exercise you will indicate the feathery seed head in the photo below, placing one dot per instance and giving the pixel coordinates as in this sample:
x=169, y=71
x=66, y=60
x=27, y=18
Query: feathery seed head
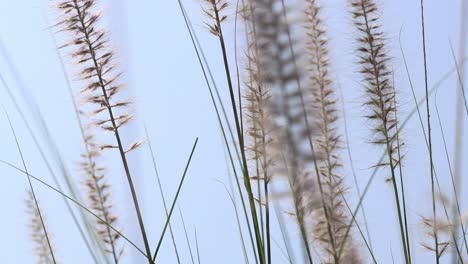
x=215, y=11
x=330, y=227
x=90, y=49
x=376, y=73
x=38, y=236
x=99, y=194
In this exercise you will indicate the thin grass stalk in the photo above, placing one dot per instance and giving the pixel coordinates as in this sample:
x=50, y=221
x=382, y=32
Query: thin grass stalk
x=299, y=208
x=459, y=125
x=216, y=7
x=174, y=201
x=236, y=211
x=371, y=253
x=459, y=142
x=421, y=122
x=428, y=115
x=459, y=129
x=460, y=78
x=238, y=223
x=284, y=233
x=196, y=245
x=236, y=61
x=260, y=245
x=200, y=55
x=282, y=251
x=351, y=162
x=161, y=192
x=455, y=222
x=402, y=186
x=400, y=170
x=187, y=240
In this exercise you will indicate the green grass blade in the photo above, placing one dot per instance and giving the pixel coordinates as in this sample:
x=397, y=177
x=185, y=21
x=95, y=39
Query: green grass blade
x=186, y=236
x=155, y=167
x=175, y=200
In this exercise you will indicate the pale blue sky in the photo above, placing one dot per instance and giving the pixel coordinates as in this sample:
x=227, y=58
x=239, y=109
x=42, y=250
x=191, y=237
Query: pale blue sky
x=171, y=97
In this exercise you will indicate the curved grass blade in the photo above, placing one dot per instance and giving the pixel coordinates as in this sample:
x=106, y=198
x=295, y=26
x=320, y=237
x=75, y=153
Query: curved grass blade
x=163, y=198
x=175, y=200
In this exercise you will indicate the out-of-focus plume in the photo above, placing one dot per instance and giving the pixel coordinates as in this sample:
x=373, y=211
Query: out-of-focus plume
x=327, y=141
x=38, y=237
x=99, y=194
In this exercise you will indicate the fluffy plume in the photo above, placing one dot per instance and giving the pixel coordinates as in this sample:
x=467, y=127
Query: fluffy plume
x=444, y=228
x=93, y=54
x=257, y=96
x=376, y=77
x=380, y=99
x=441, y=229
x=99, y=194
x=215, y=11
x=38, y=236
x=259, y=136
x=280, y=69
x=327, y=142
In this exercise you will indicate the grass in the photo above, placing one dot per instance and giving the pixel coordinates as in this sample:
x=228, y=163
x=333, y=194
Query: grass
x=283, y=116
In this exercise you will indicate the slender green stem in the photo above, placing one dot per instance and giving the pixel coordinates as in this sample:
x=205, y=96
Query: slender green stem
x=351, y=162
x=186, y=236
x=260, y=246
x=428, y=115
x=200, y=55
x=196, y=245
x=168, y=218
x=402, y=185
x=457, y=204
x=161, y=192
